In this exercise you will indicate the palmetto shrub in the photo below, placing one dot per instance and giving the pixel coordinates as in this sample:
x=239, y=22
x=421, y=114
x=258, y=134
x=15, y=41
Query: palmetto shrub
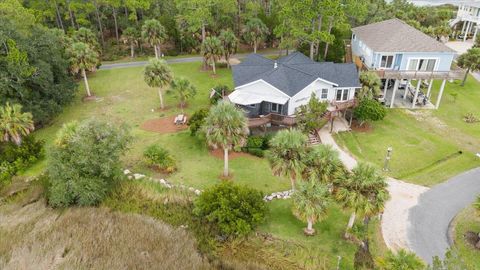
x=160, y=159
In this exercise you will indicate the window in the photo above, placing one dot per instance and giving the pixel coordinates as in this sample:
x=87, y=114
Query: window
x=422, y=64
x=342, y=94
x=276, y=108
x=387, y=61
x=324, y=94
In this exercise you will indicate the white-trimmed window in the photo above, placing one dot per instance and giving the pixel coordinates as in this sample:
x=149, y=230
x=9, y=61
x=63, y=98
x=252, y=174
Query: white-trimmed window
x=276, y=108
x=324, y=94
x=386, y=61
x=342, y=94
x=421, y=64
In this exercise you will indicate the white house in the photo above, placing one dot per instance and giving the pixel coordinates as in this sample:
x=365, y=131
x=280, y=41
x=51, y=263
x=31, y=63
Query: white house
x=264, y=86
x=468, y=14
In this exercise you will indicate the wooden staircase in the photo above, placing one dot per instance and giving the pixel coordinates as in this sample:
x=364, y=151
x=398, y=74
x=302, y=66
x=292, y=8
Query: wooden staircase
x=313, y=139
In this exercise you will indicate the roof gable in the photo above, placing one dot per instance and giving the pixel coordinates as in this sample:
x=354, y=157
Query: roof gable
x=395, y=35
x=292, y=73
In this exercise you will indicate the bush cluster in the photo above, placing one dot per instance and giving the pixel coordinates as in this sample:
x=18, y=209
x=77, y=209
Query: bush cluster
x=197, y=120
x=256, y=145
x=14, y=158
x=85, y=162
x=159, y=158
x=234, y=210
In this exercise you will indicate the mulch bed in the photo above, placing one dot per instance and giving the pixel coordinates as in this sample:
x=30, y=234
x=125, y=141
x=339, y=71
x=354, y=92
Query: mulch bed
x=218, y=153
x=365, y=128
x=162, y=125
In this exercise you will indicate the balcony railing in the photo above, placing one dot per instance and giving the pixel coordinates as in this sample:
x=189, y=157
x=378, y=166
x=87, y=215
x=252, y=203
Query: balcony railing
x=422, y=75
x=272, y=118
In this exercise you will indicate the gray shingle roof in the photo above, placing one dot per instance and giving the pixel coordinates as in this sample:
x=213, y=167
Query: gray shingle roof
x=293, y=73
x=395, y=35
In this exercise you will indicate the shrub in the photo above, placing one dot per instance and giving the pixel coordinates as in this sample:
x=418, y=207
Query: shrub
x=256, y=152
x=159, y=158
x=255, y=142
x=85, y=162
x=470, y=118
x=197, y=120
x=220, y=90
x=14, y=158
x=234, y=210
x=369, y=110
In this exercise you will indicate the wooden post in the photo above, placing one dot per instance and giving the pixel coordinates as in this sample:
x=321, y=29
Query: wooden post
x=463, y=27
x=475, y=33
x=440, y=94
x=395, y=88
x=466, y=31
x=429, y=88
x=406, y=89
x=416, y=94
x=385, y=89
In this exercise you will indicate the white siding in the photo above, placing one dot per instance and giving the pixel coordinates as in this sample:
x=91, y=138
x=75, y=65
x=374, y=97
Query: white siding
x=261, y=88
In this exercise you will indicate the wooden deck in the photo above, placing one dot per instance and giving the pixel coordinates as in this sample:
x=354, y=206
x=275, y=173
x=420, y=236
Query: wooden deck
x=272, y=118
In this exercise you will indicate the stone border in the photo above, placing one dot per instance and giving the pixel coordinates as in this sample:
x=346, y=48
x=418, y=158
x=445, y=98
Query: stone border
x=163, y=182
x=279, y=195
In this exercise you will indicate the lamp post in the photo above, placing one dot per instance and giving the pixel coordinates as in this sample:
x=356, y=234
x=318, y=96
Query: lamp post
x=387, y=158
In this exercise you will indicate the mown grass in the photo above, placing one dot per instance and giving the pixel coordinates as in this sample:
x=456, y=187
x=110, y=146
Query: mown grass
x=467, y=220
x=125, y=98
x=426, y=144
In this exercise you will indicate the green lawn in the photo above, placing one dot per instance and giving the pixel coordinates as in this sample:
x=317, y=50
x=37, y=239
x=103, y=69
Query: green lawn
x=425, y=143
x=467, y=220
x=124, y=97
x=316, y=251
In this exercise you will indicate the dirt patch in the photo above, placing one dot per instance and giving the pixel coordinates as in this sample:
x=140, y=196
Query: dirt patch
x=89, y=98
x=358, y=128
x=218, y=153
x=162, y=125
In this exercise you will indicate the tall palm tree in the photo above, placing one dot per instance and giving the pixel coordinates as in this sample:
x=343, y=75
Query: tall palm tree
x=364, y=191
x=86, y=36
x=212, y=50
x=255, y=31
x=310, y=203
x=322, y=163
x=183, y=90
x=225, y=127
x=287, y=152
x=154, y=33
x=401, y=260
x=83, y=58
x=130, y=36
x=229, y=44
x=14, y=124
x=158, y=74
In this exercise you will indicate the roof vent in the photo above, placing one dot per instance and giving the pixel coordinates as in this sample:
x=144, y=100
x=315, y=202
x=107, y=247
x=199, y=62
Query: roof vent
x=275, y=65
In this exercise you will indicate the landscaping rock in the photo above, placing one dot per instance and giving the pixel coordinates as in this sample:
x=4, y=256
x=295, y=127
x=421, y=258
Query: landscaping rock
x=138, y=176
x=197, y=192
x=162, y=181
x=127, y=171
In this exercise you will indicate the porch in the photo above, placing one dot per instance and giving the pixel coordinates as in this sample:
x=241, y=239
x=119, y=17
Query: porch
x=404, y=97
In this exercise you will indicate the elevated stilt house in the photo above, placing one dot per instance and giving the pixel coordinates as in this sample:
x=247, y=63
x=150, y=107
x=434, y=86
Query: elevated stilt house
x=400, y=55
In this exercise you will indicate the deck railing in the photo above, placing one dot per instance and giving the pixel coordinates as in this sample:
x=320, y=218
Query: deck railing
x=422, y=75
x=272, y=118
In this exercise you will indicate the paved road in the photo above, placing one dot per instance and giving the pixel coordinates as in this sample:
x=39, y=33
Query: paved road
x=178, y=60
x=430, y=220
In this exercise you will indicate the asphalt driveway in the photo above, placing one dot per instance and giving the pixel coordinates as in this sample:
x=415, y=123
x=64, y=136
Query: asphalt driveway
x=428, y=234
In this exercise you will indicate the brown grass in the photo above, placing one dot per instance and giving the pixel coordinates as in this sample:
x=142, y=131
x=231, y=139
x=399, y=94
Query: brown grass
x=36, y=237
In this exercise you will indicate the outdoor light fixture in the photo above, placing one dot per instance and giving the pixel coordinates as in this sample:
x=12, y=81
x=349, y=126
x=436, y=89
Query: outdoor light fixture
x=387, y=158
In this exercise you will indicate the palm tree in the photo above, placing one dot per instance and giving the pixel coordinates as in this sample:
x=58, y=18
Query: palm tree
x=183, y=90
x=255, y=30
x=229, y=44
x=470, y=61
x=287, y=152
x=310, y=203
x=323, y=164
x=154, y=34
x=370, y=84
x=130, y=36
x=14, y=124
x=402, y=260
x=225, y=127
x=158, y=74
x=212, y=50
x=83, y=58
x=365, y=191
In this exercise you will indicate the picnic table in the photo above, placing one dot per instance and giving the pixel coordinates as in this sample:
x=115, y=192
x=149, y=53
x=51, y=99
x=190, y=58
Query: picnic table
x=180, y=119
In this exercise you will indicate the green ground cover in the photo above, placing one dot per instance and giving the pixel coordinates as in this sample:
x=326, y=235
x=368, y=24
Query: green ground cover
x=467, y=220
x=425, y=143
